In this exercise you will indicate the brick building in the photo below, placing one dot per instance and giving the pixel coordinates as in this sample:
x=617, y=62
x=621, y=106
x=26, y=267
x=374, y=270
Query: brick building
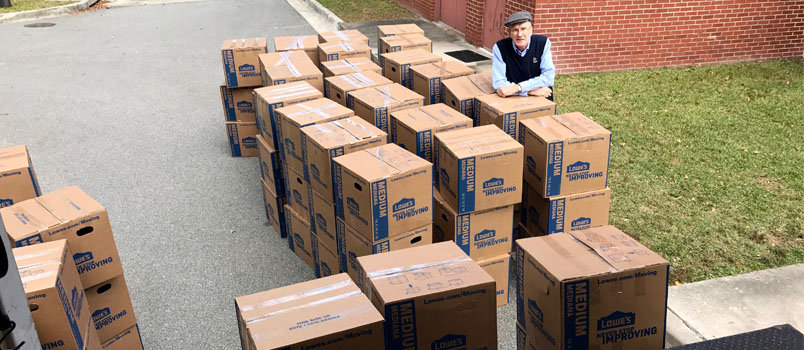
x=628, y=34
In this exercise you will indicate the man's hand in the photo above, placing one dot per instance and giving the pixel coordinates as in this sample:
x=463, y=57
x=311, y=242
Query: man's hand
x=541, y=92
x=506, y=91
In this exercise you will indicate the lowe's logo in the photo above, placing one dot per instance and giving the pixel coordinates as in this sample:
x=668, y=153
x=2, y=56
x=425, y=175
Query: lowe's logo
x=581, y=222
x=246, y=68
x=290, y=145
x=449, y=341
x=325, y=271
x=578, y=166
x=485, y=234
x=535, y=310
x=531, y=164
x=100, y=314
x=322, y=222
x=615, y=320
x=314, y=170
x=444, y=175
x=493, y=182
x=5, y=202
x=352, y=204
x=299, y=240
x=404, y=203
x=244, y=105
x=81, y=258
x=297, y=196
x=249, y=142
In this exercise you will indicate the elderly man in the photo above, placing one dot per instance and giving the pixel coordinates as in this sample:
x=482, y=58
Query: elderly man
x=522, y=64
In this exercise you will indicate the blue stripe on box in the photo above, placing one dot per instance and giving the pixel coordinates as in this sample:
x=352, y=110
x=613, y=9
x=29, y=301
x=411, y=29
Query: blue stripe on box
x=555, y=160
x=466, y=185
x=379, y=207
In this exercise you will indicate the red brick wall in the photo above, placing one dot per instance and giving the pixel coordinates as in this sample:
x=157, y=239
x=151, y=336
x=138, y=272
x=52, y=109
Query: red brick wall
x=424, y=8
x=628, y=34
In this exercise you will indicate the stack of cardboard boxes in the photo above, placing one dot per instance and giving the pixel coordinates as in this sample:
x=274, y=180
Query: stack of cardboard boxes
x=241, y=68
x=17, y=177
x=461, y=93
x=71, y=232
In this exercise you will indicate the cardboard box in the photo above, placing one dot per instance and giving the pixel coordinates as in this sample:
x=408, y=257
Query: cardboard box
x=570, y=212
x=294, y=117
x=306, y=43
x=69, y=214
x=477, y=168
x=323, y=142
x=413, y=128
x=333, y=51
x=296, y=187
x=299, y=236
x=271, y=167
x=275, y=210
x=271, y=98
x=461, y=93
x=17, y=177
x=322, y=218
x=480, y=234
x=240, y=63
x=350, y=35
x=567, y=153
x=591, y=289
x=129, y=339
x=349, y=65
x=238, y=104
x=507, y=112
x=352, y=244
x=339, y=86
x=334, y=313
x=427, y=78
x=376, y=103
x=110, y=304
x=324, y=260
x=383, y=191
x=432, y=297
x=55, y=296
x=396, y=43
x=499, y=268
x=397, y=29
x=242, y=139
x=396, y=65
x=280, y=68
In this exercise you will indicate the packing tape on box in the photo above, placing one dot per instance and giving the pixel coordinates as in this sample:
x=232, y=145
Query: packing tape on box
x=363, y=79
x=296, y=93
x=386, y=94
x=36, y=254
x=299, y=295
x=297, y=43
x=341, y=35
x=396, y=271
x=283, y=58
x=310, y=110
x=34, y=277
x=353, y=123
x=307, y=305
x=354, y=82
x=346, y=46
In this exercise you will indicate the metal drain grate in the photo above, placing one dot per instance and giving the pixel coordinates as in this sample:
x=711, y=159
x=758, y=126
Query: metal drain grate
x=467, y=56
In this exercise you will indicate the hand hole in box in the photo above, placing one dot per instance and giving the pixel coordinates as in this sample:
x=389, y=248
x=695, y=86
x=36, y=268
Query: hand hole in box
x=299, y=181
x=358, y=187
x=33, y=307
x=104, y=288
x=393, y=69
x=85, y=231
x=444, y=216
x=416, y=240
x=338, y=95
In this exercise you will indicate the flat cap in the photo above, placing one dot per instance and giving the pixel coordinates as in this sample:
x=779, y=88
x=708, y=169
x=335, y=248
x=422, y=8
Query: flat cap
x=518, y=17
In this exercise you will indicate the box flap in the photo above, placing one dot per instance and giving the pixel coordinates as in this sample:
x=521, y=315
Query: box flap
x=40, y=264
x=483, y=82
x=564, y=126
x=343, y=46
x=284, y=43
x=343, y=35
x=476, y=141
x=580, y=124
x=312, y=111
x=409, y=38
x=359, y=80
x=69, y=204
x=15, y=157
x=248, y=43
x=397, y=29
x=441, y=69
x=470, y=86
x=385, y=95
x=284, y=92
x=514, y=103
x=356, y=63
x=410, y=56
x=341, y=132
x=381, y=162
x=429, y=117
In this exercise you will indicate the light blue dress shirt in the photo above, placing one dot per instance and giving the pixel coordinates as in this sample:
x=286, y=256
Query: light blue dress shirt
x=545, y=79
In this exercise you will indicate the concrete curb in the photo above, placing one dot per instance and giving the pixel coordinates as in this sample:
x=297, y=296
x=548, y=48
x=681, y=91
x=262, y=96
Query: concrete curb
x=317, y=7
x=46, y=12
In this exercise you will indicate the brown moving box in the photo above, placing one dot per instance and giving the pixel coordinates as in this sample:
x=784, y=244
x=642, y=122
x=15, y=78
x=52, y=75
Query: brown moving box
x=333, y=51
x=413, y=128
x=324, y=260
x=461, y=93
x=270, y=167
x=507, y=112
x=477, y=168
x=238, y=104
x=56, y=297
x=129, y=339
x=322, y=218
x=355, y=244
x=294, y=117
x=271, y=98
x=323, y=142
x=110, y=304
x=17, y=177
x=396, y=65
x=275, y=210
x=591, y=289
x=296, y=189
x=432, y=297
x=566, y=213
x=398, y=29
x=328, y=312
x=280, y=68
x=349, y=65
x=396, y=43
x=240, y=63
x=383, y=191
x=376, y=103
x=499, y=268
x=338, y=87
x=242, y=139
x=427, y=78
x=566, y=153
x=350, y=35
x=306, y=43
x=299, y=235
x=481, y=234
x=69, y=214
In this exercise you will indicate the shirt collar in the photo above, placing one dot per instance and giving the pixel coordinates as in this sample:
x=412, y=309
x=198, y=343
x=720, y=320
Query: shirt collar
x=523, y=52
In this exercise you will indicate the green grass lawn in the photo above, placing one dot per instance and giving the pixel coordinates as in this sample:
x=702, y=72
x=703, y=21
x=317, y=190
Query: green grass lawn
x=707, y=163
x=366, y=10
x=25, y=5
